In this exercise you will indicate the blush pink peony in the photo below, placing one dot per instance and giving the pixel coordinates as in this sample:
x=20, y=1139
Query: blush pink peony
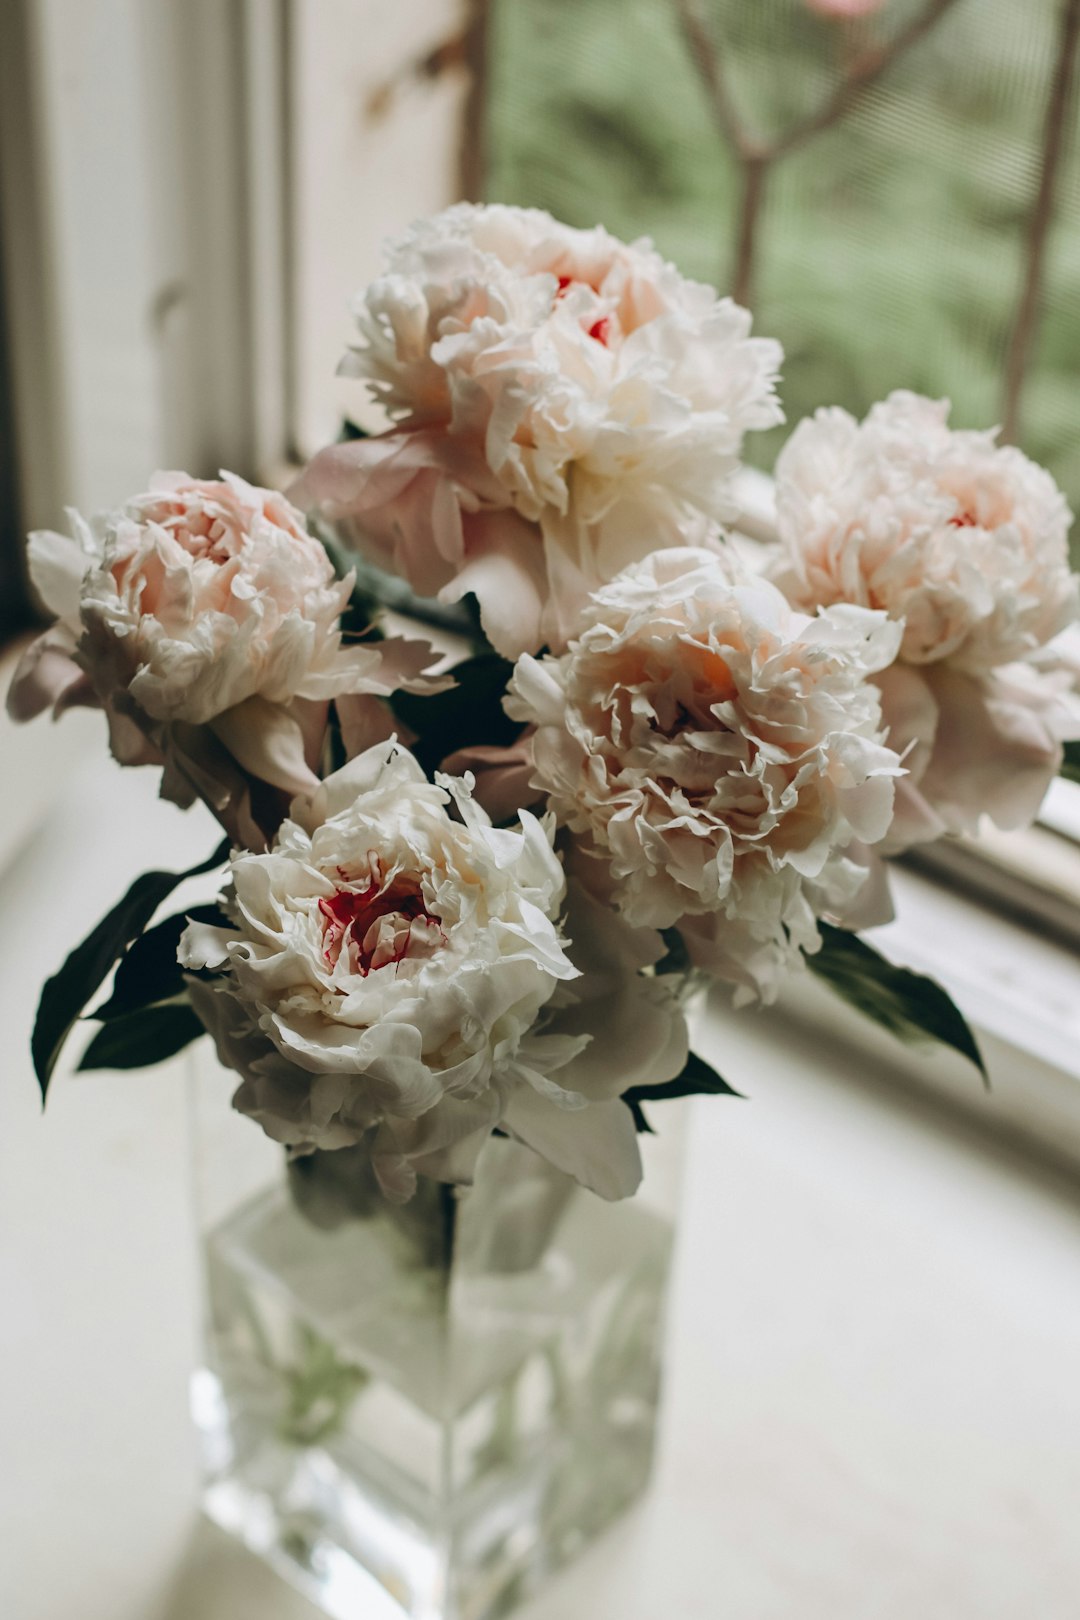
x=964, y=543
x=205, y=620
x=558, y=395
x=717, y=753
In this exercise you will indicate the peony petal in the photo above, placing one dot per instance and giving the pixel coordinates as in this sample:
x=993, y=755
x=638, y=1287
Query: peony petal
x=596, y=1145
x=502, y=777
x=46, y=677
x=504, y=569
x=268, y=743
x=57, y=565
x=995, y=751
x=383, y=762
x=364, y=722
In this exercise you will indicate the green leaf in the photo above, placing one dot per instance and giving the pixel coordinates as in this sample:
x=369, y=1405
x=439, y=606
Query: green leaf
x=470, y=712
x=141, y=1038
x=350, y=431
x=148, y=972
x=641, y=1124
x=697, y=1078
x=909, y=1005
x=1070, y=769
x=677, y=957
x=64, y=996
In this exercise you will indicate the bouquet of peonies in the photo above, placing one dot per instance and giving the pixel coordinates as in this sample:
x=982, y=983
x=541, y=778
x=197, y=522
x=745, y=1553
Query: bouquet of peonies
x=467, y=891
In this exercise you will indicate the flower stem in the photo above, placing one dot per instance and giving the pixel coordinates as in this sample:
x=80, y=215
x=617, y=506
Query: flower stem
x=754, y=171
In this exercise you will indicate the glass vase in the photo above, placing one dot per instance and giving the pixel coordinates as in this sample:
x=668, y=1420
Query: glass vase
x=420, y=1410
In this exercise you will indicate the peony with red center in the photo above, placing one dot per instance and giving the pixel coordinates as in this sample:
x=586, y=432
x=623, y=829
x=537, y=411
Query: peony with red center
x=376, y=922
x=387, y=975
x=205, y=619
x=557, y=394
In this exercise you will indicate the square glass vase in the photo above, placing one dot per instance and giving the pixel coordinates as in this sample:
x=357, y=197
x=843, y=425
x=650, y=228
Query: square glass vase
x=421, y=1410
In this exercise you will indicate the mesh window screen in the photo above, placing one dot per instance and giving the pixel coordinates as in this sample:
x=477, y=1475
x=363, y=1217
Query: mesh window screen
x=890, y=248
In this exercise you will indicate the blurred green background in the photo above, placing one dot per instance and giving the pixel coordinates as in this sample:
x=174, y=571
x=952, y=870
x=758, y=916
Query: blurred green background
x=890, y=248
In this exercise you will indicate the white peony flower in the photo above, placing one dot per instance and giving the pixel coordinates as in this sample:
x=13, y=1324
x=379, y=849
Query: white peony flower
x=963, y=540
x=387, y=979
x=719, y=752
x=205, y=620
x=560, y=395
x=964, y=543
x=974, y=745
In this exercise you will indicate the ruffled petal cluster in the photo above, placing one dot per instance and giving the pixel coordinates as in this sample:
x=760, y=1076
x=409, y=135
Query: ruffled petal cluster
x=964, y=543
x=553, y=388
x=386, y=978
x=719, y=752
x=205, y=620
x=964, y=540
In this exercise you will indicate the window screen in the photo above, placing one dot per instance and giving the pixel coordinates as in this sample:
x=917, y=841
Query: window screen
x=892, y=247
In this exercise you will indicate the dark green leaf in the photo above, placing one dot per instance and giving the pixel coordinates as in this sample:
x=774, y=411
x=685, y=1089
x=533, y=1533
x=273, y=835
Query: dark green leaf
x=350, y=431
x=909, y=1005
x=1070, y=768
x=359, y=615
x=470, y=712
x=677, y=958
x=641, y=1124
x=698, y=1078
x=65, y=995
x=148, y=1036
x=148, y=971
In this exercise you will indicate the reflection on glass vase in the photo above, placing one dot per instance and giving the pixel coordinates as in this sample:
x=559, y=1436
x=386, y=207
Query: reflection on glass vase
x=421, y=1410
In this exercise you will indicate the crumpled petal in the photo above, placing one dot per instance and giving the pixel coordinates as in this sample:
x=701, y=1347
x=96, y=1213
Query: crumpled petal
x=718, y=753
x=502, y=776
x=983, y=745
x=47, y=677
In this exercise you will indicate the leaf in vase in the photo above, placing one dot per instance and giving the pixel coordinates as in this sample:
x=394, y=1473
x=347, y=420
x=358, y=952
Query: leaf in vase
x=909, y=1005
x=64, y=996
x=142, y=1038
